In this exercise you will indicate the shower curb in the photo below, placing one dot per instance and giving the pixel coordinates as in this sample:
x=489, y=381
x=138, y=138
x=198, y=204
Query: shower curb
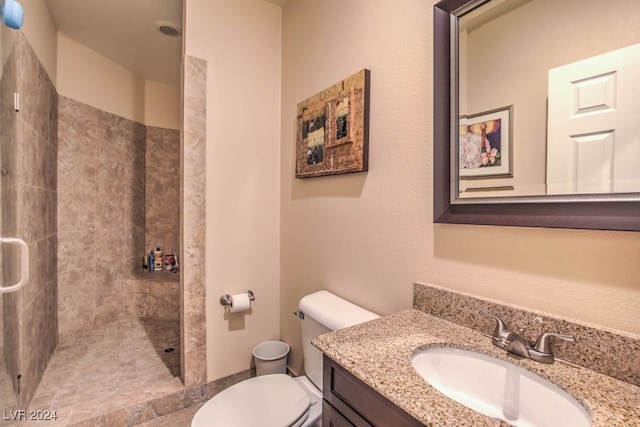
x=164, y=405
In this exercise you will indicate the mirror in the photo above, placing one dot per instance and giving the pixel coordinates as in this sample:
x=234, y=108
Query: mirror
x=533, y=116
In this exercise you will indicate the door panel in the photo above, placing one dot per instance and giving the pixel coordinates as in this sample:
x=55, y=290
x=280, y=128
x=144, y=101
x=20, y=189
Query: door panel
x=593, y=138
x=9, y=302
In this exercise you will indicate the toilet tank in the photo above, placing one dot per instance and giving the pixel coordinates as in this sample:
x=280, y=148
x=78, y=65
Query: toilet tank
x=325, y=312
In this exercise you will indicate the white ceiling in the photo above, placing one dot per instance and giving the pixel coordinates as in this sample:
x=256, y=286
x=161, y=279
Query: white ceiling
x=125, y=32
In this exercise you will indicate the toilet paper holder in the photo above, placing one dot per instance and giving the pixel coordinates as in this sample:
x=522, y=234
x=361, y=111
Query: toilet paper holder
x=225, y=299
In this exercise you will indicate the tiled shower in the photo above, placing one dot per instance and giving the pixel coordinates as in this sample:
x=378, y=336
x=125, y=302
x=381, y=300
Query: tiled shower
x=118, y=191
x=91, y=193
x=29, y=196
x=101, y=212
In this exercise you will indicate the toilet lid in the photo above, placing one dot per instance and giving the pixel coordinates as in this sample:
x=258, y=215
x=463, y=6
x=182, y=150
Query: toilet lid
x=267, y=401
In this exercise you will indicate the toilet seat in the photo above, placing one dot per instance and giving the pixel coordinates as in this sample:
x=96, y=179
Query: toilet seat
x=268, y=401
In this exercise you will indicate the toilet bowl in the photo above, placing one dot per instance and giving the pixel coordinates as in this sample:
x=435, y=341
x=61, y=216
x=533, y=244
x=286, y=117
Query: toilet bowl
x=278, y=400
x=274, y=400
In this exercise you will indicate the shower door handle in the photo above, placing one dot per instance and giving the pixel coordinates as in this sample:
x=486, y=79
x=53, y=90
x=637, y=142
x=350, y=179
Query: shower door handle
x=24, y=263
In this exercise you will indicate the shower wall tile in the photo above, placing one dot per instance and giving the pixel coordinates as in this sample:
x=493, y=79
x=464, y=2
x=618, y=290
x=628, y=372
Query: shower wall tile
x=91, y=170
x=35, y=284
x=10, y=310
x=76, y=211
x=109, y=174
x=9, y=212
x=47, y=159
x=195, y=173
x=133, y=250
x=76, y=168
x=75, y=119
x=27, y=150
x=109, y=246
x=28, y=84
x=28, y=212
x=10, y=155
x=37, y=208
x=49, y=198
x=42, y=269
x=134, y=195
x=194, y=210
x=76, y=250
x=46, y=213
x=10, y=270
x=110, y=210
x=162, y=188
x=76, y=300
x=103, y=174
x=11, y=303
x=48, y=265
x=36, y=191
x=8, y=116
x=193, y=322
x=108, y=308
x=135, y=148
x=40, y=338
x=150, y=298
x=109, y=280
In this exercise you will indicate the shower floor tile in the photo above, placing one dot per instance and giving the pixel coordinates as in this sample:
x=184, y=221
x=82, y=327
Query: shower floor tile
x=110, y=367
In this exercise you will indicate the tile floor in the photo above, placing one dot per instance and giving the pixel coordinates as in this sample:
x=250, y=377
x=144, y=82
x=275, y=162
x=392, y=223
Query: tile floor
x=110, y=367
x=180, y=418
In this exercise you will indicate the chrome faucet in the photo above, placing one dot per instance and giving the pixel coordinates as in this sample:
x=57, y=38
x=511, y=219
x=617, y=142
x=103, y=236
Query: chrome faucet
x=515, y=343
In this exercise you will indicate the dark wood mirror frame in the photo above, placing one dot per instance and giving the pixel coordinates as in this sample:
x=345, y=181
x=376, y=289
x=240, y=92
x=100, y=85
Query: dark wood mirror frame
x=577, y=212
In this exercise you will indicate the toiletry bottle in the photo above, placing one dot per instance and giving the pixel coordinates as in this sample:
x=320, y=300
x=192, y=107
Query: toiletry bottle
x=151, y=261
x=145, y=262
x=158, y=260
x=168, y=261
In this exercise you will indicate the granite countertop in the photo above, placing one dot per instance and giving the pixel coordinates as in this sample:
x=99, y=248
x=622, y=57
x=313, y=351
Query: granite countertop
x=379, y=353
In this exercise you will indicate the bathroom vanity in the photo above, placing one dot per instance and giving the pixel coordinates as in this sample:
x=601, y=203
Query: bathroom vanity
x=369, y=379
x=348, y=401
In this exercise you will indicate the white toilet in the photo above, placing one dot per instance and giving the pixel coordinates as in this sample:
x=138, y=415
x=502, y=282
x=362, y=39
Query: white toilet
x=278, y=400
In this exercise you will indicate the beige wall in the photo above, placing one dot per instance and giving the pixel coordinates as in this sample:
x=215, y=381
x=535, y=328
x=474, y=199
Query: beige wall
x=240, y=40
x=86, y=76
x=369, y=236
x=162, y=105
x=40, y=31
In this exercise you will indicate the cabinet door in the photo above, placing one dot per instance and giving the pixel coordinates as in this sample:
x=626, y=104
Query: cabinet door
x=359, y=403
x=332, y=418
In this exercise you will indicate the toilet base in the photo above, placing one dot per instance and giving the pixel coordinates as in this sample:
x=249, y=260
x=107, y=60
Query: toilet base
x=315, y=395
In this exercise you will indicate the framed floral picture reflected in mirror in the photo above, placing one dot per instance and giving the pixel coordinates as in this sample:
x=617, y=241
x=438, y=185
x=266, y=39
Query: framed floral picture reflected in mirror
x=486, y=142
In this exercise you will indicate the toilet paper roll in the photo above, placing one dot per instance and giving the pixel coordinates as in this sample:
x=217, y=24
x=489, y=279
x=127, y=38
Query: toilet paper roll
x=240, y=303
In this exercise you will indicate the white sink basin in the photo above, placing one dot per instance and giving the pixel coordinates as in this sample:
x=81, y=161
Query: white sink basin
x=498, y=388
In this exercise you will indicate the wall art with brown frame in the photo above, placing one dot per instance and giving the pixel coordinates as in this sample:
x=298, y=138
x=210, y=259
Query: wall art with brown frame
x=333, y=129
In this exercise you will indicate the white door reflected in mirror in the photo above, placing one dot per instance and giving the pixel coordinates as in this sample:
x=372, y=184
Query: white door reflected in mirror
x=593, y=135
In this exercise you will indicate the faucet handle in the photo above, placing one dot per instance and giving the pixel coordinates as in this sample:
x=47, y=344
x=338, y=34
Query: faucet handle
x=543, y=345
x=500, y=326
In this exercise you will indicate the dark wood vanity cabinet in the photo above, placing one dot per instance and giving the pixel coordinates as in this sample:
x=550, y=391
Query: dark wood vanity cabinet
x=350, y=402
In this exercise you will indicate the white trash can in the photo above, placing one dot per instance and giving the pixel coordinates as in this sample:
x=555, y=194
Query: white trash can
x=271, y=357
